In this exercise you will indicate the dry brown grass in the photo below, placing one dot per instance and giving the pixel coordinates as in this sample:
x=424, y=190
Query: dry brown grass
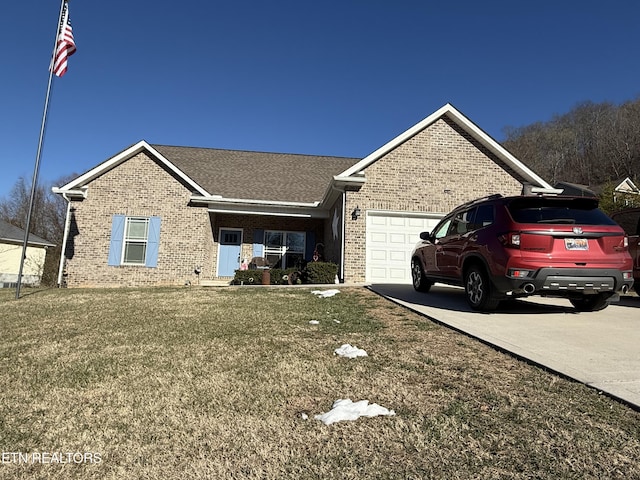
x=211, y=383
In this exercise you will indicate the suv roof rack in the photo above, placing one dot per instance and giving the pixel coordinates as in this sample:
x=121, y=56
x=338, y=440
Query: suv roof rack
x=482, y=199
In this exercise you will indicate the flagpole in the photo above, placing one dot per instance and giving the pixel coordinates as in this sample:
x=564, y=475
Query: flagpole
x=34, y=180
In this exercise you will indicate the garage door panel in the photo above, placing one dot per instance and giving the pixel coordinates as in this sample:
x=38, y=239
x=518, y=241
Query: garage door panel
x=398, y=238
x=378, y=255
x=378, y=221
x=378, y=238
x=396, y=256
x=416, y=222
x=391, y=237
x=397, y=274
x=378, y=275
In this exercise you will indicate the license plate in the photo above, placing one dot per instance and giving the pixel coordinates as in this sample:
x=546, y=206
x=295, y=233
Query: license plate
x=576, y=244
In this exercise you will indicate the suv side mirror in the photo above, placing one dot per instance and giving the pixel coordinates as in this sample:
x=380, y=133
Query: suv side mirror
x=427, y=237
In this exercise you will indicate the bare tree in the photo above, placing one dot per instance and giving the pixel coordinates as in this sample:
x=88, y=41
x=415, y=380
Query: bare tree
x=47, y=218
x=590, y=145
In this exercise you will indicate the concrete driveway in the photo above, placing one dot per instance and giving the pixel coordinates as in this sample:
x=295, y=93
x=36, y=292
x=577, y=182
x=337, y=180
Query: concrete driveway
x=600, y=349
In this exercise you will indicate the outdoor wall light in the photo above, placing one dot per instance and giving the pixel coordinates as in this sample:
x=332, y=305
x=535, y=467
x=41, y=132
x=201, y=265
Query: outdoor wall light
x=356, y=213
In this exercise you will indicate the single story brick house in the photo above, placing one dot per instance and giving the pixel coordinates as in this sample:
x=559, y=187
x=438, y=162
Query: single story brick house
x=162, y=215
x=11, y=245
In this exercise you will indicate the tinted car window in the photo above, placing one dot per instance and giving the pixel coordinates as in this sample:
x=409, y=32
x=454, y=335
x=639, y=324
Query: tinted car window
x=462, y=222
x=483, y=217
x=583, y=211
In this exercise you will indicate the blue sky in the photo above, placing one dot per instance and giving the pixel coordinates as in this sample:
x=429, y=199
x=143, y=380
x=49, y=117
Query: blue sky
x=330, y=78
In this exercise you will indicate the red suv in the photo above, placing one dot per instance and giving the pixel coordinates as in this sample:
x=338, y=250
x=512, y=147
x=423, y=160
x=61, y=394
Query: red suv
x=507, y=247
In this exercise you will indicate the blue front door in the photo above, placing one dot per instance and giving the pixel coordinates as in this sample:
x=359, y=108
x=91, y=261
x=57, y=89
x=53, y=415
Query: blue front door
x=229, y=259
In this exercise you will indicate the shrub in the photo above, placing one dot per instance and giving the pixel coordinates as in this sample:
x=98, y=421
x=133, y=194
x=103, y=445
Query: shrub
x=247, y=277
x=313, y=272
x=281, y=277
x=321, y=272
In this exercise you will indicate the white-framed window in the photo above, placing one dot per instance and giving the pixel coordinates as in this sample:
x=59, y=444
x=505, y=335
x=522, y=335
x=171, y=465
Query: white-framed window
x=136, y=235
x=134, y=241
x=284, y=249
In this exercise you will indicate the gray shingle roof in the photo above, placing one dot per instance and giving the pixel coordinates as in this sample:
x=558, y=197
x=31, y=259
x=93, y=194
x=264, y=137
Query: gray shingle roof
x=257, y=175
x=12, y=234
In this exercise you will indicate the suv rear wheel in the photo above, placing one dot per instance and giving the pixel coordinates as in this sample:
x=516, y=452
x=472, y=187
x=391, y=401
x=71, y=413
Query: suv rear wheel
x=420, y=283
x=479, y=290
x=591, y=303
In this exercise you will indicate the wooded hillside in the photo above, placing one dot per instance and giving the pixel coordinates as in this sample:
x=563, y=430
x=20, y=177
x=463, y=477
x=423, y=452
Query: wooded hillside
x=593, y=144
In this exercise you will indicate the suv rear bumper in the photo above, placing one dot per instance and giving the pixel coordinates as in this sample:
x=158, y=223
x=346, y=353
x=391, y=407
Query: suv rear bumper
x=565, y=281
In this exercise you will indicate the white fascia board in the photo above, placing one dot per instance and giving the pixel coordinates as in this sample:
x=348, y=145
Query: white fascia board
x=78, y=192
x=121, y=157
x=338, y=186
x=266, y=213
x=104, y=166
x=468, y=126
x=352, y=181
x=244, y=201
x=176, y=170
x=261, y=207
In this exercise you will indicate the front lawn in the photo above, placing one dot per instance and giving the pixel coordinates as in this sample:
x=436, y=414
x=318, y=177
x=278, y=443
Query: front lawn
x=182, y=383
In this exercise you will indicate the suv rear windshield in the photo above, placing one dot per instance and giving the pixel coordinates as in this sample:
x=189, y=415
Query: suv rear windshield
x=582, y=211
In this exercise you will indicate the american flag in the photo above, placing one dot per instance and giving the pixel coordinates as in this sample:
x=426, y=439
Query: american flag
x=65, y=45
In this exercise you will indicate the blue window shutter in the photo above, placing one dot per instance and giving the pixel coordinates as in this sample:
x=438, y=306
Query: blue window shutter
x=310, y=245
x=117, y=236
x=153, y=242
x=258, y=240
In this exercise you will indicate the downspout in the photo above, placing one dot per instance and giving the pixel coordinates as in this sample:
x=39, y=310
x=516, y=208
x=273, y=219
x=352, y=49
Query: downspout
x=64, y=239
x=343, y=240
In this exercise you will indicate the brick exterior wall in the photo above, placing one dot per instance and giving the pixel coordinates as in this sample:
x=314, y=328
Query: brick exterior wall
x=434, y=171
x=137, y=187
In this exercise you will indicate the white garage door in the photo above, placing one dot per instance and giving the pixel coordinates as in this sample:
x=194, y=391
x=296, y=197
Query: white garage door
x=391, y=237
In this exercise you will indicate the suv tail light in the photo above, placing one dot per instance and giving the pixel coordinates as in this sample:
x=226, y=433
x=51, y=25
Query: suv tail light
x=510, y=239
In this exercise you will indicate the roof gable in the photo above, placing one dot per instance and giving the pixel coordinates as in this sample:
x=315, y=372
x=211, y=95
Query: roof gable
x=80, y=182
x=526, y=174
x=627, y=186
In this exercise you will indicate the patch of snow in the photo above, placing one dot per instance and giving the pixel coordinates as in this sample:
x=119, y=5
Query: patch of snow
x=350, y=351
x=345, y=409
x=304, y=416
x=326, y=293
x=314, y=322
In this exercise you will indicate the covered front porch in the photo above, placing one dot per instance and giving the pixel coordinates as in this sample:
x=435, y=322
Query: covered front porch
x=273, y=241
